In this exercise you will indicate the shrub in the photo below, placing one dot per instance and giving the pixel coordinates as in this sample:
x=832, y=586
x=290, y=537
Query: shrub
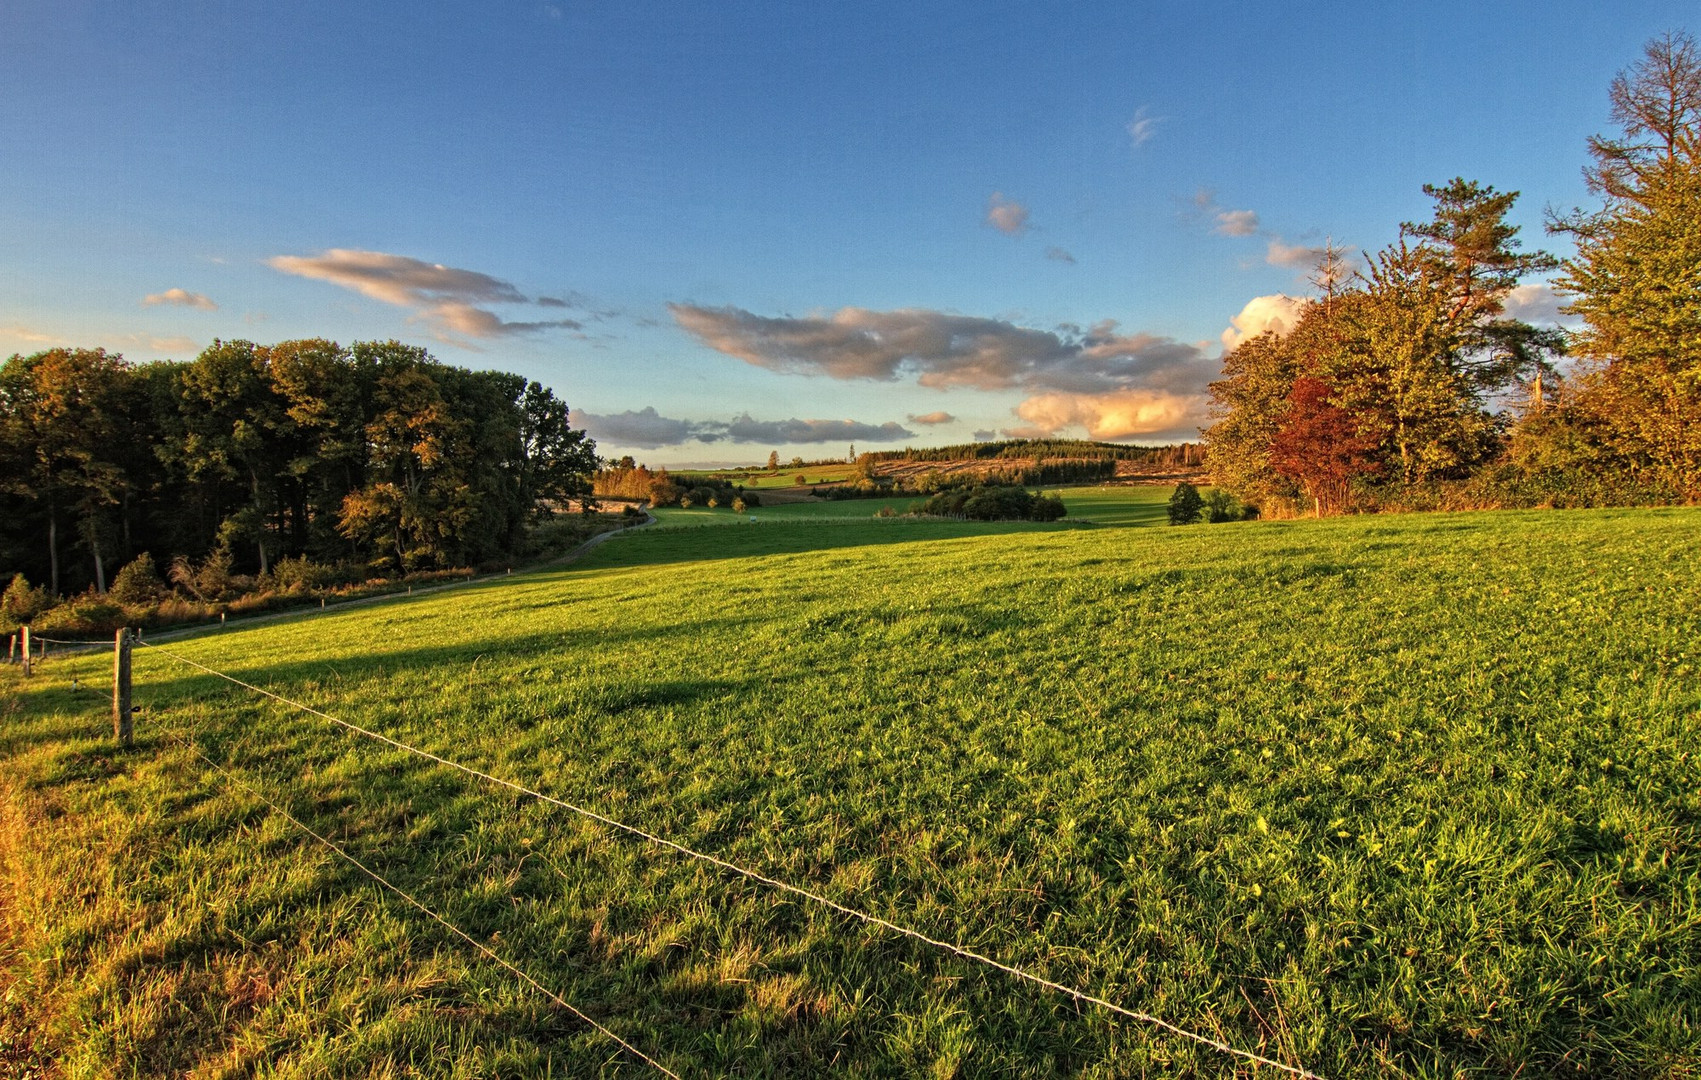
x=298, y=573
x=22, y=601
x=1185, y=506
x=1221, y=506
x=138, y=584
x=210, y=581
x=738, y=505
x=995, y=502
x=89, y=613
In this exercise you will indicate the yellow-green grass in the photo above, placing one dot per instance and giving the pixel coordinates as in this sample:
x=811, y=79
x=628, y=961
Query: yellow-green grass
x=786, y=477
x=1411, y=795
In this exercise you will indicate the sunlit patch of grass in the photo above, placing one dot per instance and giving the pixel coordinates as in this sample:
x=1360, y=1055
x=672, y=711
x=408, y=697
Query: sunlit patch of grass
x=1376, y=794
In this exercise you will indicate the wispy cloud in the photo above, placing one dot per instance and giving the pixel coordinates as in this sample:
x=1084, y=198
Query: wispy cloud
x=1237, y=222
x=1143, y=127
x=1295, y=256
x=937, y=417
x=1057, y=254
x=1006, y=215
x=942, y=350
x=182, y=347
x=181, y=298
x=30, y=335
x=453, y=300
x=647, y=429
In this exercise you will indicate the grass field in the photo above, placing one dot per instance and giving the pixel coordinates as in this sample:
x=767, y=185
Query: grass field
x=1391, y=795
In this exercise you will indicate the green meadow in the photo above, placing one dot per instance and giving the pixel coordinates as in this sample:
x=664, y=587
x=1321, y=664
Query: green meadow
x=1400, y=795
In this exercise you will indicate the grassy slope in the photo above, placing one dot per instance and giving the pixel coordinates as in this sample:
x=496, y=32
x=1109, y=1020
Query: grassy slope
x=1413, y=793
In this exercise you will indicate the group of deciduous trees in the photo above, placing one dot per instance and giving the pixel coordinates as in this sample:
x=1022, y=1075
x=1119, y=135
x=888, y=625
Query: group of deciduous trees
x=1408, y=374
x=372, y=454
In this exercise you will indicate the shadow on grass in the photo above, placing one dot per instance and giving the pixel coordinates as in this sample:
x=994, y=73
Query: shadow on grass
x=664, y=545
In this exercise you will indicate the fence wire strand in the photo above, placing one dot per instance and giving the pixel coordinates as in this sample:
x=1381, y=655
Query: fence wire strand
x=1079, y=996
x=445, y=923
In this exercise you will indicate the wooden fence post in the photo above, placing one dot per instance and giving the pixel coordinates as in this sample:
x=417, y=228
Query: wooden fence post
x=122, y=729
x=12, y=649
x=26, y=650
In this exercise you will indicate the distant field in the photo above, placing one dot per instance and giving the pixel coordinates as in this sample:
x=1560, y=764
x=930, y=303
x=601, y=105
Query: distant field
x=1102, y=505
x=1385, y=795
x=785, y=478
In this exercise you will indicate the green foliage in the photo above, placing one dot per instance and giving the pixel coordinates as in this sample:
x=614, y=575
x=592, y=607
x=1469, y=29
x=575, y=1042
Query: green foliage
x=303, y=448
x=1368, y=775
x=1186, y=506
x=995, y=502
x=1633, y=279
x=89, y=613
x=22, y=602
x=301, y=574
x=138, y=583
x=1220, y=506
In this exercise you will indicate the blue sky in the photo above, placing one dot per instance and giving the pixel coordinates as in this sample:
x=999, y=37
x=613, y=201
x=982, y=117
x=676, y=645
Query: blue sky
x=721, y=229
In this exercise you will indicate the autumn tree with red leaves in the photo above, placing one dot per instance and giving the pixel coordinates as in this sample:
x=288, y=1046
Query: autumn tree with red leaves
x=1320, y=448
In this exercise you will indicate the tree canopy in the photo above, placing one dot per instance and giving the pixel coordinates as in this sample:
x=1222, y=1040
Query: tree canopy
x=375, y=453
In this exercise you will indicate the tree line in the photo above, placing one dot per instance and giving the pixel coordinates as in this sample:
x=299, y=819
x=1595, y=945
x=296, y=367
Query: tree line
x=1405, y=383
x=375, y=454
x=1042, y=450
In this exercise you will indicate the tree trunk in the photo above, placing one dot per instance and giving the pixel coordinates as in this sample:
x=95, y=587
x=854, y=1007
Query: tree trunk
x=260, y=519
x=100, y=570
x=53, y=551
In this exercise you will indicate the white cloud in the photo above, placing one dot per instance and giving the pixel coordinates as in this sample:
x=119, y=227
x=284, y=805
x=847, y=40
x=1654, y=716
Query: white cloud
x=1006, y=215
x=1278, y=313
x=1538, y=303
x=939, y=417
x=1237, y=222
x=181, y=298
x=1143, y=127
x=445, y=296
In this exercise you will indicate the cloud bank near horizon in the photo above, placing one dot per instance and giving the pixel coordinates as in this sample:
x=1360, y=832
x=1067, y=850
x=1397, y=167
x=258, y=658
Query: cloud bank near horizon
x=1115, y=385
x=647, y=429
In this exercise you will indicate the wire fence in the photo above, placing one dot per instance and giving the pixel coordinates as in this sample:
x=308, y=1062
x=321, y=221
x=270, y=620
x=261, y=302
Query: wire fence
x=445, y=923
x=949, y=947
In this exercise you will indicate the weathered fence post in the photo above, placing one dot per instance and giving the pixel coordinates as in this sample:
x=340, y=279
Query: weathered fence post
x=122, y=729
x=12, y=649
x=26, y=649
